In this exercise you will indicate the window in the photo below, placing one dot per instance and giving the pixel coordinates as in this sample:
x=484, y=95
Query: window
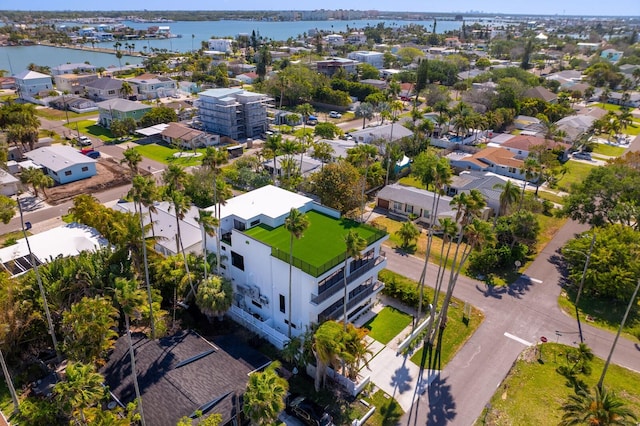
x=513, y=170
x=397, y=205
x=67, y=173
x=254, y=223
x=282, y=307
x=85, y=169
x=237, y=260
x=256, y=304
x=238, y=225
x=409, y=209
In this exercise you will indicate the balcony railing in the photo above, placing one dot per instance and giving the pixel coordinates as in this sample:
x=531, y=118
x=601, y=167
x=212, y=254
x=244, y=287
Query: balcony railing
x=337, y=283
x=316, y=271
x=336, y=312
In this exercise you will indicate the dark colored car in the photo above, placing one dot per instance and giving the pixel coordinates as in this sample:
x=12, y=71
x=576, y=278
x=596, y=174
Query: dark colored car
x=309, y=412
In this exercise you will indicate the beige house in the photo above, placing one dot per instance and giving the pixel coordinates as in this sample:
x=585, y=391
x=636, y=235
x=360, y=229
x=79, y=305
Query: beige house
x=184, y=136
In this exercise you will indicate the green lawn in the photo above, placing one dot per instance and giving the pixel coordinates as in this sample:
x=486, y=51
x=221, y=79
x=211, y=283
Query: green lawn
x=533, y=392
x=602, y=313
x=411, y=181
x=458, y=330
x=387, y=324
x=388, y=411
x=321, y=243
x=91, y=127
x=610, y=150
x=633, y=130
x=576, y=172
x=554, y=198
x=164, y=154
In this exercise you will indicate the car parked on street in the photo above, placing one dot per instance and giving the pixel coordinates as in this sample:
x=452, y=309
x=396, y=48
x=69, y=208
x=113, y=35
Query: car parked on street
x=309, y=412
x=84, y=141
x=335, y=114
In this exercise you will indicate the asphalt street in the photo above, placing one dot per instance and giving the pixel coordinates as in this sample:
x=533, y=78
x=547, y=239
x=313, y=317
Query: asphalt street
x=515, y=317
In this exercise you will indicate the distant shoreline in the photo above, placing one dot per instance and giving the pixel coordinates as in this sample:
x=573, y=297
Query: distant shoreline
x=89, y=48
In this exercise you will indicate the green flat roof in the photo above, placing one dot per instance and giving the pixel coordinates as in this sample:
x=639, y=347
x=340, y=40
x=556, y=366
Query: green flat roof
x=321, y=245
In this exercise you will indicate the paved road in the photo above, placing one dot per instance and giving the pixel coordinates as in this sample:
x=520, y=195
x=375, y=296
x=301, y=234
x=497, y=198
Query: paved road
x=514, y=318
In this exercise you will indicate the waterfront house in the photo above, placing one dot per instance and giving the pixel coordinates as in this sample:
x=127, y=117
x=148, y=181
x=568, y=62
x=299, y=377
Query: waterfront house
x=183, y=374
x=233, y=112
x=75, y=68
x=152, y=86
x=63, y=163
x=119, y=109
x=255, y=257
x=334, y=40
x=357, y=38
x=183, y=136
x=224, y=45
x=103, y=88
x=30, y=84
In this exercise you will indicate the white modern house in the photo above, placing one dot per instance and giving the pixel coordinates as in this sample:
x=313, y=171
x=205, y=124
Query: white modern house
x=373, y=58
x=63, y=163
x=255, y=257
x=221, y=44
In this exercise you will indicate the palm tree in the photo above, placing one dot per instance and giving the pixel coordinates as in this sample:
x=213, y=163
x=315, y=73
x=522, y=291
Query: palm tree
x=407, y=233
x=81, y=389
x=209, y=224
x=477, y=232
x=305, y=110
x=449, y=230
x=131, y=158
x=214, y=158
x=354, y=244
x=265, y=395
x=362, y=155
x=181, y=204
x=141, y=191
x=364, y=110
x=214, y=297
x=272, y=145
x=296, y=224
x=432, y=171
x=126, y=89
x=129, y=297
x=4, y=329
x=326, y=346
x=603, y=408
x=529, y=169
x=508, y=196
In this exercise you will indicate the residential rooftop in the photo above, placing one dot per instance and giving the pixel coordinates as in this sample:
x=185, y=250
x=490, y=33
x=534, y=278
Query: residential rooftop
x=322, y=244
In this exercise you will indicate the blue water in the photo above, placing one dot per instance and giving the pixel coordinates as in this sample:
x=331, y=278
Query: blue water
x=17, y=59
x=193, y=33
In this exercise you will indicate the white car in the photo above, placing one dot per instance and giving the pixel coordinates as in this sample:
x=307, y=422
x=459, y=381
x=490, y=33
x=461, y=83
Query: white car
x=335, y=114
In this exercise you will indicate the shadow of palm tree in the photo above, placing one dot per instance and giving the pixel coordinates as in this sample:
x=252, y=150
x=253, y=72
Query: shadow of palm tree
x=492, y=291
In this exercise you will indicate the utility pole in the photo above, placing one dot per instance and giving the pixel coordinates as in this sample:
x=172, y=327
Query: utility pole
x=584, y=273
x=34, y=263
x=7, y=379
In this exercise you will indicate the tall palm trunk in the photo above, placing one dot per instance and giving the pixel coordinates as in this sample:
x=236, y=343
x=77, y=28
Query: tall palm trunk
x=134, y=373
x=423, y=274
x=453, y=278
x=180, y=249
x=146, y=274
x=204, y=252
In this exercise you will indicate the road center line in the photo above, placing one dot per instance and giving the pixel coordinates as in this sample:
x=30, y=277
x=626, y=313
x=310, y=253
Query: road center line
x=517, y=339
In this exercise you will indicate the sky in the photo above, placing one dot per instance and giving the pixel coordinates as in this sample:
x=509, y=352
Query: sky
x=542, y=7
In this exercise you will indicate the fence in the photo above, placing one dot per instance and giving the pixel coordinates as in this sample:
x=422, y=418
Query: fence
x=415, y=333
x=354, y=388
x=247, y=320
x=316, y=271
